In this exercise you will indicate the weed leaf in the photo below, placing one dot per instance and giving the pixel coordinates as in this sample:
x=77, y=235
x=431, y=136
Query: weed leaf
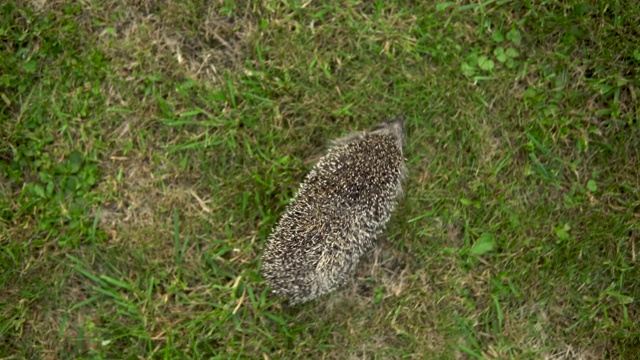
x=497, y=36
x=514, y=36
x=485, y=63
x=443, y=5
x=499, y=54
x=485, y=243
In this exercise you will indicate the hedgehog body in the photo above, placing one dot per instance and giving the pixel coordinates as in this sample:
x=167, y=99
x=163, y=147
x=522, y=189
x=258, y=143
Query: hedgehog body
x=338, y=212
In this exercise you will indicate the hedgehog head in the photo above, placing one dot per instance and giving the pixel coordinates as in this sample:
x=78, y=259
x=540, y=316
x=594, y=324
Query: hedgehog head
x=394, y=127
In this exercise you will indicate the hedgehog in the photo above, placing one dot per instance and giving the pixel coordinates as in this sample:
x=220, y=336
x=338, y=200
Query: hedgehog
x=339, y=210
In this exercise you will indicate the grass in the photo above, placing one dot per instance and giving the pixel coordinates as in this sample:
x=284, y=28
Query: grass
x=148, y=148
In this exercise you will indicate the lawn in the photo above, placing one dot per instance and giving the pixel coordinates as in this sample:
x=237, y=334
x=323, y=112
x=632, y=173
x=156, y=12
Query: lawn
x=148, y=147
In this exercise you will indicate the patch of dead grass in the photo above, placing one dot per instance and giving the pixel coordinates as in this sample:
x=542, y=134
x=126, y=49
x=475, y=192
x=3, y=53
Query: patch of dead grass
x=198, y=40
x=387, y=269
x=194, y=39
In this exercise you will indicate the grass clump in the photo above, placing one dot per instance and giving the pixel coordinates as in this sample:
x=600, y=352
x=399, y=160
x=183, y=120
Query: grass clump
x=148, y=148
